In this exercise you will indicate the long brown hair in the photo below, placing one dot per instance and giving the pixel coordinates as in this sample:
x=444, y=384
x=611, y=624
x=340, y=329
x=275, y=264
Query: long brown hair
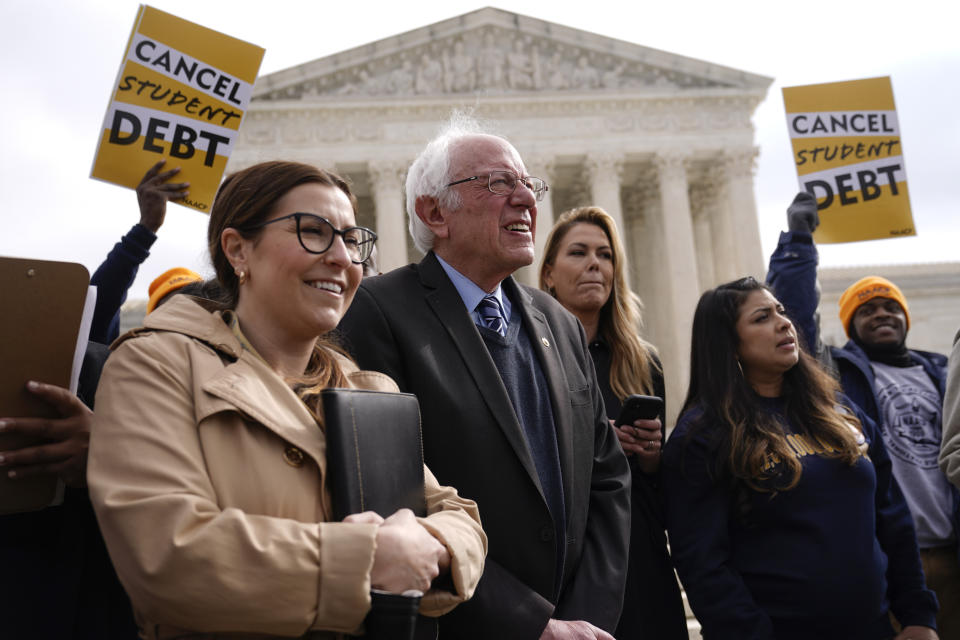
x=632, y=358
x=246, y=199
x=752, y=437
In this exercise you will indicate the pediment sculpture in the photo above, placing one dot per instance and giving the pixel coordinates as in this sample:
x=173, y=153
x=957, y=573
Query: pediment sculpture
x=490, y=60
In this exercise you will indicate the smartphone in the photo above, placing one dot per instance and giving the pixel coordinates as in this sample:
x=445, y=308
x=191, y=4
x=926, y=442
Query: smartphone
x=637, y=407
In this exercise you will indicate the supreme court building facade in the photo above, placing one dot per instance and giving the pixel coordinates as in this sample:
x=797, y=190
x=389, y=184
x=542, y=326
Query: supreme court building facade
x=663, y=143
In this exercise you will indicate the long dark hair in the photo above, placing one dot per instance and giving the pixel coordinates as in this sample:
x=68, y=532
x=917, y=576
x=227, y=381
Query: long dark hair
x=751, y=436
x=247, y=198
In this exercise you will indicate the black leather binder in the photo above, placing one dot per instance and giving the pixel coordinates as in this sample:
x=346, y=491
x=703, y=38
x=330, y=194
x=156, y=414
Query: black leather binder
x=374, y=452
x=375, y=463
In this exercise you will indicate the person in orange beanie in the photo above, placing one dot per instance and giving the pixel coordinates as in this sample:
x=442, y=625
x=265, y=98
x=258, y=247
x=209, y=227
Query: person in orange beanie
x=167, y=283
x=901, y=389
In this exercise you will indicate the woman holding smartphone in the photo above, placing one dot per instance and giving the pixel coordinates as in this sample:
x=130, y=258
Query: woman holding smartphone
x=584, y=267
x=783, y=517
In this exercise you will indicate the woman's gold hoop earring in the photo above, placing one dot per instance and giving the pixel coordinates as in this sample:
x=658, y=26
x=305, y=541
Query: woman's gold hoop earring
x=241, y=276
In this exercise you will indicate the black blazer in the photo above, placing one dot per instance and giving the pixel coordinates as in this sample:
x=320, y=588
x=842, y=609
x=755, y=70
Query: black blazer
x=412, y=325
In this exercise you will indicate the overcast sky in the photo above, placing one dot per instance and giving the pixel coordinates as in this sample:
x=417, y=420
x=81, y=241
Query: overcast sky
x=60, y=60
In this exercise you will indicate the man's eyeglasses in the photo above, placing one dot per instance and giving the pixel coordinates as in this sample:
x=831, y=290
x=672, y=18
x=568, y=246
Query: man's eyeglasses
x=316, y=235
x=503, y=183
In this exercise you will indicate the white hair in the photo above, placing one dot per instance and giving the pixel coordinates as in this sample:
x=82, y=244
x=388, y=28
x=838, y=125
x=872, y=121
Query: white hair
x=430, y=173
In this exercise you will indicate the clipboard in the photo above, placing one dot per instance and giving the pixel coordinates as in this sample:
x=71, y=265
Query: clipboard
x=43, y=304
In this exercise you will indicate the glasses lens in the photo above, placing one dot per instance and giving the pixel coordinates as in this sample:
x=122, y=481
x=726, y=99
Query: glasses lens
x=316, y=234
x=359, y=243
x=502, y=183
x=536, y=185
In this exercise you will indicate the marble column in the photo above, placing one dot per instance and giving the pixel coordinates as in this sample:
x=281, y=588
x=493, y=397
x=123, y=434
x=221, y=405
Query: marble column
x=738, y=168
x=386, y=179
x=726, y=265
x=641, y=236
x=605, y=171
x=702, y=210
x=679, y=269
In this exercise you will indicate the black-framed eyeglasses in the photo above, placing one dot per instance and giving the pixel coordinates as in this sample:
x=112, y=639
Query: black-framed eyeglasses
x=316, y=235
x=503, y=183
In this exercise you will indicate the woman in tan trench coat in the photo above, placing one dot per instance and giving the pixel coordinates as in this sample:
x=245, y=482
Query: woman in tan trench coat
x=207, y=456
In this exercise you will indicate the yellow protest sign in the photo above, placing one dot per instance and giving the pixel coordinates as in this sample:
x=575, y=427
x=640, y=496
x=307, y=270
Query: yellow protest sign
x=847, y=150
x=181, y=93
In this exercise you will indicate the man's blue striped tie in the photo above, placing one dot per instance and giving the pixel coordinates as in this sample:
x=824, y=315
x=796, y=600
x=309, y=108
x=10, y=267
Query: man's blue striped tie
x=491, y=314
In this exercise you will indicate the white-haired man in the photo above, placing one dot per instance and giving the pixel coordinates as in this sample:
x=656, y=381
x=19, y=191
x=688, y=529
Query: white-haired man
x=512, y=415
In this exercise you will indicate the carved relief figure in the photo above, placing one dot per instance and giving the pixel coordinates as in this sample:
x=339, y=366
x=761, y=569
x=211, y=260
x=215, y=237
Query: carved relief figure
x=519, y=68
x=660, y=78
x=363, y=83
x=460, y=74
x=490, y=64
x=584, y=76
x=557, y=75
x=429, y=75
x=611, y=77
x=402, y=79
x=535, y=64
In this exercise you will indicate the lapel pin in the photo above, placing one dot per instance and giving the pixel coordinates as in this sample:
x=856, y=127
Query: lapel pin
x=545, y=342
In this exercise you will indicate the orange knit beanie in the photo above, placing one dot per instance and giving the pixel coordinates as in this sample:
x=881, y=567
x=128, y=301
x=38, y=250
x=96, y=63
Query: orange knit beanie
x=170, y=281
x=866, y=289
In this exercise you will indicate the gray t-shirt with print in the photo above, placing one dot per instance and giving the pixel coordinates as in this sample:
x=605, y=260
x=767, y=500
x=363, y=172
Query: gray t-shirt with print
x=911, y=424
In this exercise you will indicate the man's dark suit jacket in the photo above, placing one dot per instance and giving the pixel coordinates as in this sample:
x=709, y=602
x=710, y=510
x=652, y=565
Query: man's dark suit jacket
x=412, y=325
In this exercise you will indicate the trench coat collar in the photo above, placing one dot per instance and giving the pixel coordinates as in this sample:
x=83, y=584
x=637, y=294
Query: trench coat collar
x=238, y=380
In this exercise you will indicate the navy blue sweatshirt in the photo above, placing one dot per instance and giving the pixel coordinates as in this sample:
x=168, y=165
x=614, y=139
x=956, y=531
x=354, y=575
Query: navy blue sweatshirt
x=824, y=559
x=114, y=277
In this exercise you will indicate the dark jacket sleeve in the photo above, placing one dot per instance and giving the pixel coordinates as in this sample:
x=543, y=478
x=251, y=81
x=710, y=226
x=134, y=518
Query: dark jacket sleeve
x=793, y=277
x=856, y=378
x=698, y=514
x=595, y=593
x=502, y=607
x=368, y=337
x=911, y=602
x=93, y=360
x=114, y=277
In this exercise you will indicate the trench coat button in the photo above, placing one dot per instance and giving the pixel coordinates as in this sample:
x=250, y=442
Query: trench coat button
x=293, y=456
x=546, y=533
x=545, y=342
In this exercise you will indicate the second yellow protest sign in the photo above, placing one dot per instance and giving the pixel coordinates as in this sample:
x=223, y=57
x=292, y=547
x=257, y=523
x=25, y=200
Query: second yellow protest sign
x=847, y=150
x=181, y=94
